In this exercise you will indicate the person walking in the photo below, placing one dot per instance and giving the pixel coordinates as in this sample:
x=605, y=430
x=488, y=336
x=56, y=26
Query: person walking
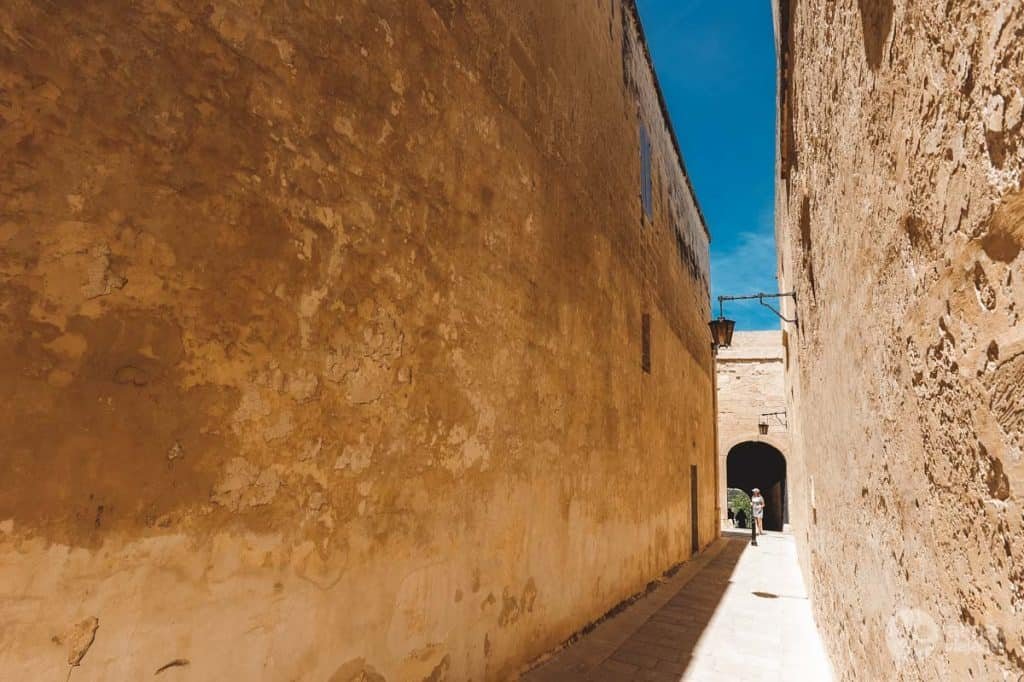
x=757, y=507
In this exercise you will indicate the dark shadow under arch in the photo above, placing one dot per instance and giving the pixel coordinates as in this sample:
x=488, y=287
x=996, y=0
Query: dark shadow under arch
x=752, y=465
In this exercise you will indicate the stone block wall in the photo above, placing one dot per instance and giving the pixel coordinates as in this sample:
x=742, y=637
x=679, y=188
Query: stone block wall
x=321, y=337
x=901, y=224
x=750, y=382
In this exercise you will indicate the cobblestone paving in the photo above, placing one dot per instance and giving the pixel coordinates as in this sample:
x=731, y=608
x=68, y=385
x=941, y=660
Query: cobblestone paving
x=734, y=612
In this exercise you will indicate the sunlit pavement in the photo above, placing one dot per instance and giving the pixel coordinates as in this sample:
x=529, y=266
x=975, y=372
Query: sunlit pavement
x=734, y=612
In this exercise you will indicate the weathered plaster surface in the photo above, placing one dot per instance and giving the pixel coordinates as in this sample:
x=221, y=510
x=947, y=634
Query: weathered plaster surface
x=751, y=382
x=320, y=337
x=901, y=224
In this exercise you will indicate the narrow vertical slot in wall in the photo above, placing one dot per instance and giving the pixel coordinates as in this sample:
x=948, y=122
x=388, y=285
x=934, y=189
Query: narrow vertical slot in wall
x=694, y=511
x=645, y=334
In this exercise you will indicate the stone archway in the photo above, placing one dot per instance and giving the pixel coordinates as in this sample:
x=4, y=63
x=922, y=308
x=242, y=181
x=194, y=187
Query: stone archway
x=757, y=464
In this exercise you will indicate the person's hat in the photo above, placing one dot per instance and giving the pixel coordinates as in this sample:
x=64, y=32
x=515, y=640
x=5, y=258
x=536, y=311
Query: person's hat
x=757, y=490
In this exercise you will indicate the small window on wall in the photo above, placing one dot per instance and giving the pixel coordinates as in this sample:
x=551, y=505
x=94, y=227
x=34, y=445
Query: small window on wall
x=645, y=338
x=646, y=193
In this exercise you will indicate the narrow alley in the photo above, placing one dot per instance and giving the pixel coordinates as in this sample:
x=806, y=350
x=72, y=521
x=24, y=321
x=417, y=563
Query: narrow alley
x=457, y=340
x=734, y=612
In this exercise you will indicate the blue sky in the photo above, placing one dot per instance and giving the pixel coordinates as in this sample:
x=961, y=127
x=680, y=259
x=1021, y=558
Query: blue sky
x=716, y=64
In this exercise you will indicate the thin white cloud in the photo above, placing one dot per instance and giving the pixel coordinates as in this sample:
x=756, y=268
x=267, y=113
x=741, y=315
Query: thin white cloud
x=747, y=267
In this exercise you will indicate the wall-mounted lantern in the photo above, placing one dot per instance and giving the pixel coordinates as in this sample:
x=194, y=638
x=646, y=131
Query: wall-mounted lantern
x=722, y=328
x=762, y=423
x=721, y=332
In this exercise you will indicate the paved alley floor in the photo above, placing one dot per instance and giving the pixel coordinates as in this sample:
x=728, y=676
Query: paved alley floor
x=735, y=612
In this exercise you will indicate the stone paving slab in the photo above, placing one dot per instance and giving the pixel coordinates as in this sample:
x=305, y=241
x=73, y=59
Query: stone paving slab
x=734, y=612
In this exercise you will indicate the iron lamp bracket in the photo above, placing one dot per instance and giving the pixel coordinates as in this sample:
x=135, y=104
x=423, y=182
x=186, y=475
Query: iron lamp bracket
x=760, y=298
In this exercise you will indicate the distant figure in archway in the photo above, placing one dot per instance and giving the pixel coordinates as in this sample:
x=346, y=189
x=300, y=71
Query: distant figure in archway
x=741, y=519
x=757, y=507
x=751, y=464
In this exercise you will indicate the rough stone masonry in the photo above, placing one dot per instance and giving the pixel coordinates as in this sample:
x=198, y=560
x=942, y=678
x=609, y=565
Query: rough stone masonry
x=901, y=225
x=339, y=340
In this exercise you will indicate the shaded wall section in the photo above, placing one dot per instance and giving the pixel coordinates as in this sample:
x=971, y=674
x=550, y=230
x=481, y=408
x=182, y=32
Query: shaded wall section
x=321, y=342
x=900, y=221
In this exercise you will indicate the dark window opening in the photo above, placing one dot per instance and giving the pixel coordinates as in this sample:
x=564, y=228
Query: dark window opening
x=645, y=359
x=646, y=193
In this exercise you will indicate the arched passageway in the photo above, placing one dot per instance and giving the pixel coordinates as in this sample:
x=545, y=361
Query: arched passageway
x=752, y=465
